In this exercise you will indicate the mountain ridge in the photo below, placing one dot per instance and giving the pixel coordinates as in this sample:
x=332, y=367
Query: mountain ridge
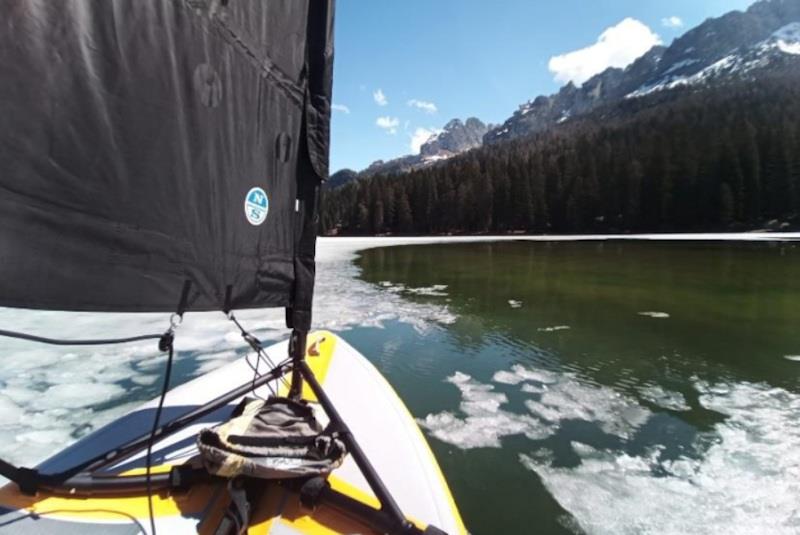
x=714, y=40
x=455, y=138
x=734, y=46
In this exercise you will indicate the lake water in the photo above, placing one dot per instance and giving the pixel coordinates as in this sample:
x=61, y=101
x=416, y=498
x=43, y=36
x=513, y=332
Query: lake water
x=600, y=386
x=604, y=387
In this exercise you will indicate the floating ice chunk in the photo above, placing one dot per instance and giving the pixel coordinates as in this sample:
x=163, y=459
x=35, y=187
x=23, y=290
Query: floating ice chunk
x=660, y=315
x=513, y=303
x=506, y=378
x=553, y=328
x=145, y=380
x=10, y=413
x=533, y=389
x=519, y=374
x=52, y=436
x=569, y=399
x=481, y=431
x=562, y=398
x=19, y=395
x=663, y=398
x=437, y=290
x=485, y=422
x=793, y=358
x=77, y=395
x=746, y=482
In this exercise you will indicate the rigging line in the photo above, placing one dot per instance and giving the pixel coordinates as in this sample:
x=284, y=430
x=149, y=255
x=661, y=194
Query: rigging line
x=256, y=376
x=165, y=344
x=255, y=343
x=97, y=342
x=282, y=378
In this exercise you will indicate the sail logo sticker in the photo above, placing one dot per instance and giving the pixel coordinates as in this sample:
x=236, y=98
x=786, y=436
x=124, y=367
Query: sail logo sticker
x=256, y=206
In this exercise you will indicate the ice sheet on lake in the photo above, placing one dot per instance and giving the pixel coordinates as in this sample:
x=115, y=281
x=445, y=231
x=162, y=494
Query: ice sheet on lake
x=746, y=482
x=513, y=303
x=666, y=399
x=793, y=358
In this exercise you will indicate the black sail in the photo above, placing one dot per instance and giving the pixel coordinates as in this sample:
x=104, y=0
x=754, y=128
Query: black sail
x=149, y=146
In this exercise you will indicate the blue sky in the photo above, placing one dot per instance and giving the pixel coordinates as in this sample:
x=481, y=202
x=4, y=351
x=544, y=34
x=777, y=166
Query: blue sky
x=407, y=67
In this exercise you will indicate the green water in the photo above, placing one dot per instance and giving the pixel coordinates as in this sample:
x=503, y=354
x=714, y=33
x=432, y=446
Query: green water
x=727, y=314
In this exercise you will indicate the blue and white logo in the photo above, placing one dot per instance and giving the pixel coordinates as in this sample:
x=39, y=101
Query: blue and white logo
x=256, y=206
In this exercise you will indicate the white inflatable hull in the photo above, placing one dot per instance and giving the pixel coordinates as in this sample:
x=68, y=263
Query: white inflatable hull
x=375, y=414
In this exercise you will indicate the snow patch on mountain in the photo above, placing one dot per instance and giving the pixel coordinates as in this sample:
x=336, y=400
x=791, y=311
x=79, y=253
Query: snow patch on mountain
x=785, y=40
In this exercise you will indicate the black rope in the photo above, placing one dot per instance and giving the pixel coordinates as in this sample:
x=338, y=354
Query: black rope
x=256, y=345
x=166, y=344
x=98, y=342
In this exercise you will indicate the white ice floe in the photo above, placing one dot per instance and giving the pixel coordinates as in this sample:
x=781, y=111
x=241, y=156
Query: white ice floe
x=572, y=399
x=553, y=329
x=746, y=482
x=658, y=315
x=793, y=358
x=519, y=374
x=666, y=399
x=528, y=388
x=484, y=422
x=513, y=303
x=437, y=290
x=77, y=395
x=563, y=397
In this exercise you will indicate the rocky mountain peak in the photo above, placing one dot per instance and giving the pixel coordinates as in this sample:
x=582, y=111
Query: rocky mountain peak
x=734, y=44
x=456, y=137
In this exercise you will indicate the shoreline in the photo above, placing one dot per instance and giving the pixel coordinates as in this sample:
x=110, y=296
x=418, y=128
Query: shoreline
x=328, y=246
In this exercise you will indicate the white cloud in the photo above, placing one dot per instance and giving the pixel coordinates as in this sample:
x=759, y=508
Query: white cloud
x=380, y=98
x=617, y=46
x=672, y=22
x=427, y=107
x=341, y=107
x=389, y=124
x=420, y=136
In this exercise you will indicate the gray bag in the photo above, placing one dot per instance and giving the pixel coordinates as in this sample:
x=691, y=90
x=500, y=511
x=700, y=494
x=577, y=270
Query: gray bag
x=274, y=439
